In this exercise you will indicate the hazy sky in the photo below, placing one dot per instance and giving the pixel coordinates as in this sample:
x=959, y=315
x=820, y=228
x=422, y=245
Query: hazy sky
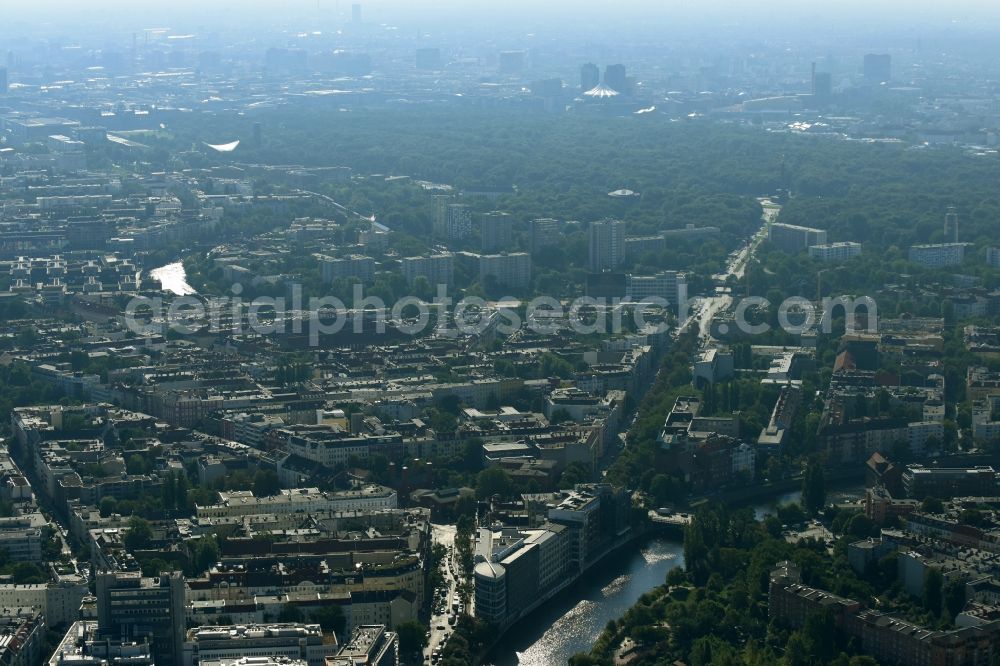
x=615, y=22
x=901, y=10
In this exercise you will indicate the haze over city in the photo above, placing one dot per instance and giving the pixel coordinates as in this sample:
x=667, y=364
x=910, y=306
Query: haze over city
x=516, y=14
x=442, y=333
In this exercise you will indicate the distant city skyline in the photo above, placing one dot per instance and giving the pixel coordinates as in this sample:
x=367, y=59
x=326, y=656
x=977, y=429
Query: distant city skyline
x=889, y=14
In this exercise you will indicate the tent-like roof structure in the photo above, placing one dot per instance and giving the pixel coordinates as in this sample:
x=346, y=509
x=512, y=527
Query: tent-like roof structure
x=223, y=147
x=601, y=92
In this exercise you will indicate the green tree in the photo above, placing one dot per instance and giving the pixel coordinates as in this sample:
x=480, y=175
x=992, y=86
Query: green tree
x=819, y=632
x=954, y=596
x=813, y=488
x=861, y=526
x=472, y=455
x=206, y=553
x=973, y=517
x=676, y=576
x=933, y=583
x=574, y=473
x=379, y=466
x=182, y=488
x=932, y=505
x=291, y=612
x=238, y=480
x=137, y=464
x=265, y=483
x=493, y=481
x=862, y=660
x=51, y=544
x=138, y=534
x=441, y=421
x=883, y=401
x=155, y=566
x=330, y=617
x=412, y=637
x=107, y=506
x=709, y=650
x=202, y=496
x=797, y=651
x=169, y=493
x=26, y=573
x=791, y=513
x=662, y=488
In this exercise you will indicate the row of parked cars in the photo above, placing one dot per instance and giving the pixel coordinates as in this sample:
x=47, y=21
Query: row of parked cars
x=442, y=607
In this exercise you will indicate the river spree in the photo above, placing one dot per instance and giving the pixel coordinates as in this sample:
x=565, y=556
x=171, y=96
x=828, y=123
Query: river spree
x=173, y=279
x=840, y=494
x=573, y=620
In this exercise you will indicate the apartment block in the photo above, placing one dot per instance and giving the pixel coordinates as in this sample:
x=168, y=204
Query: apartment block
x=497, y=232
x=793, y=238
x=452, y=220
x=887, y=638
x=353, y=268
x=938, y=255
x=841, y=251
x=508, y=270
x=606, y=245
x=437, y=269
x=544, y=233
x=993, y=257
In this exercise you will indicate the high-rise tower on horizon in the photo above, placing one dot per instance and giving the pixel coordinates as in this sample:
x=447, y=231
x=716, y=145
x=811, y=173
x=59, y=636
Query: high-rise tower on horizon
x=615, y=77
x=951, y=225
x=607, y=245
x=877, y=67
x=590, y=77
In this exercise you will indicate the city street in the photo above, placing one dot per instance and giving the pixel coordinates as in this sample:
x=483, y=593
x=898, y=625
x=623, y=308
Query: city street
x=705, y=309
x=441, y=605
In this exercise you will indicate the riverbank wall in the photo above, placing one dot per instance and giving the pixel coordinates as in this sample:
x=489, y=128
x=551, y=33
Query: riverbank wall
x=619, y=544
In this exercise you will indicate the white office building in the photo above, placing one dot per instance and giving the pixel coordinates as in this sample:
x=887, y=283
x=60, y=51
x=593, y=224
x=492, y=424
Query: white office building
x=835, y=251
x=938, y=255
x=302, y=642
x=668, y=285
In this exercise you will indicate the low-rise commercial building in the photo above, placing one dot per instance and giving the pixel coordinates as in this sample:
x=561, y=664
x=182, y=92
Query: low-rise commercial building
x=299, y=500
x=304, y=642
x=938, y=255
